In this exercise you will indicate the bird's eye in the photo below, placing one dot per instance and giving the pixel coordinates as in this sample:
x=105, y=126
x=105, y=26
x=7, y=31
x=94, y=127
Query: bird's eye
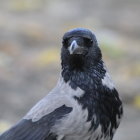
x=65, y=42
x=88, y=42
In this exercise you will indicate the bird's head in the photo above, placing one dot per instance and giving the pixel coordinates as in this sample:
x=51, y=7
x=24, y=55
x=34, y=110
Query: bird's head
x=80, y=49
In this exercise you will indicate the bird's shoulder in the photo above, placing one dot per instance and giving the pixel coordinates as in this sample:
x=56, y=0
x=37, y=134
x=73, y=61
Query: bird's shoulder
x=61, y=95
x=27, y=129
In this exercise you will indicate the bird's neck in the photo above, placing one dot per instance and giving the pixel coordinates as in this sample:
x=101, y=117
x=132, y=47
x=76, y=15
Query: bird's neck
x=86, y=79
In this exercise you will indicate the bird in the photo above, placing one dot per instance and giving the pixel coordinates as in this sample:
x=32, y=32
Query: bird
x=84, y=104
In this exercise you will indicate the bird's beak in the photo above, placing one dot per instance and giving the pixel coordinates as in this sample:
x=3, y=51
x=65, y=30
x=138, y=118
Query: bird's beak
x=73, y=46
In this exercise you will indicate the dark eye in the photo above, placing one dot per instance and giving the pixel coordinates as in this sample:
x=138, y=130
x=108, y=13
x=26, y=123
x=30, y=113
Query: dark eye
x=88, y=42
x=65, y=42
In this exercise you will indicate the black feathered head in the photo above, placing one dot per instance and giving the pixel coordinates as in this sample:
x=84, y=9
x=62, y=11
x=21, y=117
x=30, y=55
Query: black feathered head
x=80, y=49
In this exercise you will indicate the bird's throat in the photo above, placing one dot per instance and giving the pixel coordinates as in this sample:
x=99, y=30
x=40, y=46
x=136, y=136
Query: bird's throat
x=80, y=74
x=77, y=62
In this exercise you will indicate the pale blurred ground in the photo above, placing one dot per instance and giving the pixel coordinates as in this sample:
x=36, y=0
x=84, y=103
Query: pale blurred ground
x=30, y=42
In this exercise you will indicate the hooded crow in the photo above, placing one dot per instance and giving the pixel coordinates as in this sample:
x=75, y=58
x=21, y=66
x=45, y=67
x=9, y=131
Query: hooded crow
x=84, y=105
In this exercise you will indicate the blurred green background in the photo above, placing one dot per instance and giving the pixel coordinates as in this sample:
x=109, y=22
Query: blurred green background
x=30, y=42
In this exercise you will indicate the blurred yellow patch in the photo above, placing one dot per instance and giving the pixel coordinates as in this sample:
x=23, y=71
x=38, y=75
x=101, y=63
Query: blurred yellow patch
x=24, y=5
x=135, y=70
x=4, y=126
x=49, y=56
x=137, y=101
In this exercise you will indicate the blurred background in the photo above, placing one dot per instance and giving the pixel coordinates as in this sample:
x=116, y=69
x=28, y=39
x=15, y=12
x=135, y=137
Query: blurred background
x=30, y=42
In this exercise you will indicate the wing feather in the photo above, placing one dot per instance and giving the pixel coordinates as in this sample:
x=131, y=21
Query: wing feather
x=39, y=130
